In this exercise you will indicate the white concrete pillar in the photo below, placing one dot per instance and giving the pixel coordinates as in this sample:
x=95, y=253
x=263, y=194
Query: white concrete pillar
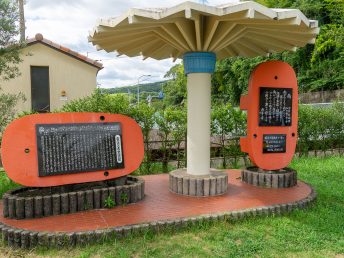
x=198, y=125
x=198, y=66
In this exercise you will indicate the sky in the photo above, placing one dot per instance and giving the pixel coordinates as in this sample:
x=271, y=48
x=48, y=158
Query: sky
x=68, y=22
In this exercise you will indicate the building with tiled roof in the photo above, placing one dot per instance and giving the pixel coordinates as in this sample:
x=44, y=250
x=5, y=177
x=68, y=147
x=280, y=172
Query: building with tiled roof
x=51, y=75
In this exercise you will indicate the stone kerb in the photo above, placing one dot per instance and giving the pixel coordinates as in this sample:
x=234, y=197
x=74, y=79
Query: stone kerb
x=25, y=206
x=282, y=178
x=216, y=183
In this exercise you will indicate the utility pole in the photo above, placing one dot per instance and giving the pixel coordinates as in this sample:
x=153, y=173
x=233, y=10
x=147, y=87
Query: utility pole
x=21, y=20
x=138, y=86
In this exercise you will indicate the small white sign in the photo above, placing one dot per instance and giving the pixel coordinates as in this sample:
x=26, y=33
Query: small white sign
x=118, y=149
x=63, y=98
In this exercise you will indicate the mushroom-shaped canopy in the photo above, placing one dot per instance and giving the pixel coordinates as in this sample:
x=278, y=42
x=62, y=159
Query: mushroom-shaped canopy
x=237, y=29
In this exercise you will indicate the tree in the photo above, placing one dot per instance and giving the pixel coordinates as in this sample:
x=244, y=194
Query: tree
x=9, y=58
x=9, y=47
x=175, y=89
x=172, y=130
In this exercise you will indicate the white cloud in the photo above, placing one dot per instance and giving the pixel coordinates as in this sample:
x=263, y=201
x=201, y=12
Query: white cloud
x=68, y=22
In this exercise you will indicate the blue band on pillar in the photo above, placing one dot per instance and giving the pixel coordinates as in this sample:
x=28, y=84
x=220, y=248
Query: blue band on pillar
x=199, y=62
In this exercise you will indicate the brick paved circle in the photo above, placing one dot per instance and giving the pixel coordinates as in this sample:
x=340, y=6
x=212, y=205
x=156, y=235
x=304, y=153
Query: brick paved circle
x=159, y=210
x=283, y=178
x=216, y=183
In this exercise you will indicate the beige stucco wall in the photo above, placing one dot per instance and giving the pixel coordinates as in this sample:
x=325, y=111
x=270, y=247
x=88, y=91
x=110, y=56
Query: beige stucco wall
x=66, y=73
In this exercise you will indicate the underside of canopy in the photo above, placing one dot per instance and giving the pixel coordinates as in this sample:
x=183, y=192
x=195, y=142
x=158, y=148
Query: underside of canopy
x=242, y=29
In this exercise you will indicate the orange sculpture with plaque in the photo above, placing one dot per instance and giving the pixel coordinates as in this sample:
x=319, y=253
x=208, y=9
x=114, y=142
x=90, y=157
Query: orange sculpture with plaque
x=272, y=115
x=44, y=150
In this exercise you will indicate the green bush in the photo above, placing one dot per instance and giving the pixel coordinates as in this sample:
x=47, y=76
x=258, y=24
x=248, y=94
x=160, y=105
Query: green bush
x=98, y=102
x=320, y=128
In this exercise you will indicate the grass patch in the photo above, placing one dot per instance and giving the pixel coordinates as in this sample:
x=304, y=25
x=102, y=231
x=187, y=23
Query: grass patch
x=315, y=232
x=152, y=168
x=5, y=183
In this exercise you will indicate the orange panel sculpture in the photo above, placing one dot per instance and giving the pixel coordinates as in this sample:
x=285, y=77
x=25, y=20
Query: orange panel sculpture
x=272, y=115
x=66, y=148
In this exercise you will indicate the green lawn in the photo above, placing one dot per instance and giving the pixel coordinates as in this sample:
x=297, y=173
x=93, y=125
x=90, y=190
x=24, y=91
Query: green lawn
x=315, y=232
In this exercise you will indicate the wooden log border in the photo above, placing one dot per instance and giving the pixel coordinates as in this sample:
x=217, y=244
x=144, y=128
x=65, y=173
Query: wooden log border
x=283, y=178
x=15, y=207
x=199, y=186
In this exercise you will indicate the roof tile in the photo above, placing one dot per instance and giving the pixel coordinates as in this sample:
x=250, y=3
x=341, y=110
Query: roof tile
x=39, y=38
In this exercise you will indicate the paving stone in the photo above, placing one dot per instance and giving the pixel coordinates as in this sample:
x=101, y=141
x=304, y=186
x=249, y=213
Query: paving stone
x=119, y=192
x=153, y=226
x=17, y=238
x=89, y=199
x=11, y=207
x=199, y=187
x=73, y=202
x=133, y=195
x=4, y=235
x=5, y=204
x=175, y=184
x=170, y=182
x=212, y=186
x=64, y=203
x=47, y=206
x=81, y=239
x=33, y=239
x=60, y=240
x=192, y=189
x=219, y=184
x=96, y=198
x=287, y=180
x=280, y=181
x=81, y=202
x=25, y=239
x=99, y=235
x=268, y=180
x=71, y=239
x=29, y=208
x=225, y=184
x=140, y=191
x=249, y=178
x=255, y=179
x=261, y=179
x=104, y=197
x=20, y=208
x=206, y=187
x=126, y=231
x=143, y=185
x=56, y=202
x=179, y=185
x=10, y=237
x=186, y=184
x=126, y=191
x=243, y=176
x=42, y=239
x=52, y=240
x=274, y=181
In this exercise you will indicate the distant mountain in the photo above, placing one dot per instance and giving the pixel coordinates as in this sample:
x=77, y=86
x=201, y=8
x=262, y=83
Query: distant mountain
x=154, y=87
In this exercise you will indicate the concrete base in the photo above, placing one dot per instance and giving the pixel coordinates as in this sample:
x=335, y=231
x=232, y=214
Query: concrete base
x=215, y=183
x=27, y=202
x=282, y=178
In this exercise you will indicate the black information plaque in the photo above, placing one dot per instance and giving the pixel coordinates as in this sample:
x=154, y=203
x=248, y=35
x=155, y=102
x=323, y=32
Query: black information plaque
x=274, y=143
x=73, y=148
x=275, y=106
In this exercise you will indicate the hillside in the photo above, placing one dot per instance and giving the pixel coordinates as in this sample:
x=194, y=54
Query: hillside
x=154, y=87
